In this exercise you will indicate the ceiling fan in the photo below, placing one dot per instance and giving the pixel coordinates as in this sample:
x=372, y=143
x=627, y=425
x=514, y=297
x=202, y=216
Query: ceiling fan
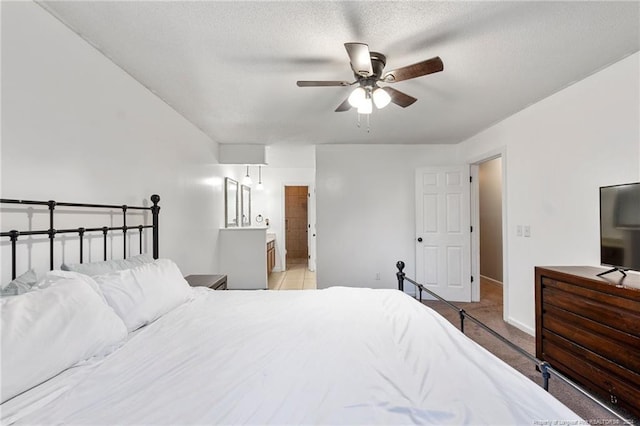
x=368, y=68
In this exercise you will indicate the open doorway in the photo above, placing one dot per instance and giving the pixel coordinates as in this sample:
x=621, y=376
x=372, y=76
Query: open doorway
x=488, y=239
x=295, y=213
x=298, y=264
x=490, y=207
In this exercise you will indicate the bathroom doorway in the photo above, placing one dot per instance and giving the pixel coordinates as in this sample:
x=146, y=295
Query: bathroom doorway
x=296, y=226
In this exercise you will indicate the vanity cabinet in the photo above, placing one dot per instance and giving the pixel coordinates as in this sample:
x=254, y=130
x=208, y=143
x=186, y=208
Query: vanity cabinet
x=271, y=256
x=243, y=257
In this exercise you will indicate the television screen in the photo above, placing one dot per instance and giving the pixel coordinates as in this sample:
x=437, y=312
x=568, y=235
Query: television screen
x=620, y=226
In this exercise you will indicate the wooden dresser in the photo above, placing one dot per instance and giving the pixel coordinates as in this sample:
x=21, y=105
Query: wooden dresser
x=588, y=328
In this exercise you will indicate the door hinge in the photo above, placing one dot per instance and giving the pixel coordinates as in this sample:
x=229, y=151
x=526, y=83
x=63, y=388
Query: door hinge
x=470, y=178
x=471, y=228
x=471, y=278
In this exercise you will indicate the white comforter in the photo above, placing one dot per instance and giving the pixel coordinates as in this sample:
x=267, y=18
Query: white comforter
x=335, y=356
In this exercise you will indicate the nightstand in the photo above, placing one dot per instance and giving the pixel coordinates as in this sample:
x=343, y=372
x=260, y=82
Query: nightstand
x=214, y=282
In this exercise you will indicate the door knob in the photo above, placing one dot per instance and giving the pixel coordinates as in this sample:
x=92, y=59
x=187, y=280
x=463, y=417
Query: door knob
x=419, y=239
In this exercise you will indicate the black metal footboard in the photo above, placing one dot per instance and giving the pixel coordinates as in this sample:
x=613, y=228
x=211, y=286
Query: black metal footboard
x=546, y=370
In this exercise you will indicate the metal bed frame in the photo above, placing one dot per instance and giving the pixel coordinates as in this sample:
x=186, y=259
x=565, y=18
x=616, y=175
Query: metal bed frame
x=52, y=231
x=545, y=369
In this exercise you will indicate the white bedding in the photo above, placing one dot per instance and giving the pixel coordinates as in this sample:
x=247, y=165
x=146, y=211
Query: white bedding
x=335, y=356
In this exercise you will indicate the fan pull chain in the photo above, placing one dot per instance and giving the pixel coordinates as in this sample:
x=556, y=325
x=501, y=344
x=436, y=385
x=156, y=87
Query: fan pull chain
x=368, y=122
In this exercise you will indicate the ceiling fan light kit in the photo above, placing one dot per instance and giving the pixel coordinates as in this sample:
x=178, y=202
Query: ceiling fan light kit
x=357, y=97
x=368, y=68
x=361, y=99
x=366, y=106
x=381, y=98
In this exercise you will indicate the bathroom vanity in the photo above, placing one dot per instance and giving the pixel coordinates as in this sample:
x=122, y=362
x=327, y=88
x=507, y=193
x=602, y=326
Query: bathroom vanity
x=247, y=256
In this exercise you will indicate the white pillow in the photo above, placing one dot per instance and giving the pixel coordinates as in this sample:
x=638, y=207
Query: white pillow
x=21, y=284
x=142, y=294
x=48, y=330
x=56, y=275
x=104, y=267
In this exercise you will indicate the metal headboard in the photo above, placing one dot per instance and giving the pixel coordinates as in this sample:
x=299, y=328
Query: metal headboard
x=52, y=231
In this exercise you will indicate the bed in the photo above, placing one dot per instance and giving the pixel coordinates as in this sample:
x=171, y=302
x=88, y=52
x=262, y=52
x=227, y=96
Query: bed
x=140, y=346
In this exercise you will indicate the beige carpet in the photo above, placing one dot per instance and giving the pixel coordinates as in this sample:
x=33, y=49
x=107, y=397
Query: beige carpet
x=489, y=311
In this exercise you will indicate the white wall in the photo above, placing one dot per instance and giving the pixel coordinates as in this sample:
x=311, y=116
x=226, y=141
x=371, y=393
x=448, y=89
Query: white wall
x=75, y=127
x=559, y=152
x=366, y=210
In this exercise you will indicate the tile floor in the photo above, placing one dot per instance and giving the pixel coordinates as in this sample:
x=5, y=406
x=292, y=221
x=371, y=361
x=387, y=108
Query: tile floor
x=296, y=277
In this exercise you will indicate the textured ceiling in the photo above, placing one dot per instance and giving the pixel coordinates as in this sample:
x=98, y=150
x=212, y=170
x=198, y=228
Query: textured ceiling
x=231, y=67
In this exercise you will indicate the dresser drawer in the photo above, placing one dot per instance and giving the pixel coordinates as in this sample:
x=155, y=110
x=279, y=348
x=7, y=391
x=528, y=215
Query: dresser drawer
x=609, y=342
x=613, y=382
x=612, y=311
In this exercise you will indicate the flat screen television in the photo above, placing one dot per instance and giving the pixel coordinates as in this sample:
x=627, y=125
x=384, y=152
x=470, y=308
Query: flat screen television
x=620, y=227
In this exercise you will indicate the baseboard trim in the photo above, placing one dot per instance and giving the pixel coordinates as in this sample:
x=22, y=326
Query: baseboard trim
x=491, y=280
x=522, y=327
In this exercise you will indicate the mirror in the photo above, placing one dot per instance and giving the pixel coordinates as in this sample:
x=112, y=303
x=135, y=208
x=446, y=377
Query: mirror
x=230, y=202
x=245, y=203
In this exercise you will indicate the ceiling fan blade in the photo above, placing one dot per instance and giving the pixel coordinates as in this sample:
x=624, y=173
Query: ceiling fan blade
x=398, y=97
x=360, y=58
x=416, y=70
x=344, y=106
x=322, y=83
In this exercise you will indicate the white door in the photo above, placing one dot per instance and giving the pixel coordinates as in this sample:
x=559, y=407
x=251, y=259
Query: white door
x=443, y=235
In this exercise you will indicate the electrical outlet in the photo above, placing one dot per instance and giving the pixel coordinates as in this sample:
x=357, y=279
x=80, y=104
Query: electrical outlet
x=527, y=231
x=519, y=230
x=377, y=276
